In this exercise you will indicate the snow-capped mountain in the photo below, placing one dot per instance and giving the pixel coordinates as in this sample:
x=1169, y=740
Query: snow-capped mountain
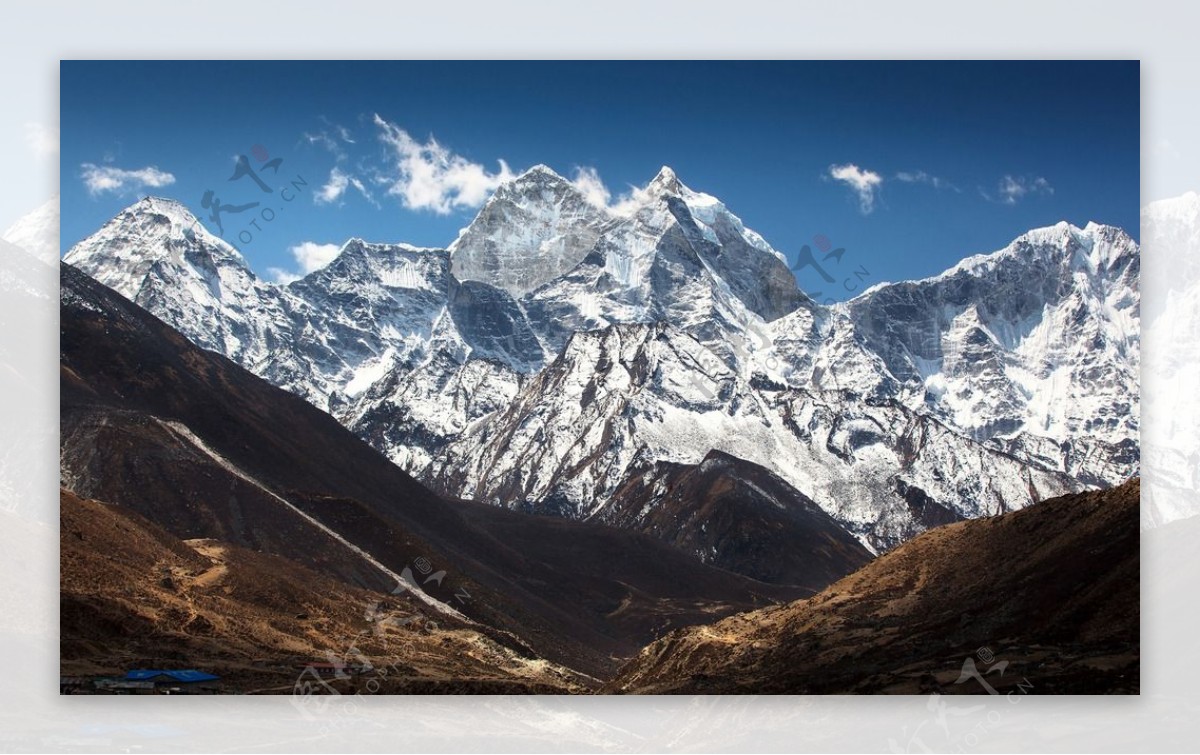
x=37, y=232
x=1171, y=448
x=375, y=309
x=1034, y=348
x=156, y=254
x=557, y=347
x=622, y=397
x=679, y=256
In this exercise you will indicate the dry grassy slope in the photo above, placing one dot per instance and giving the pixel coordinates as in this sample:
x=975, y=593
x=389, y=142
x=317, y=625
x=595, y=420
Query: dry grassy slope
x=132, y=595
x=1052, y=589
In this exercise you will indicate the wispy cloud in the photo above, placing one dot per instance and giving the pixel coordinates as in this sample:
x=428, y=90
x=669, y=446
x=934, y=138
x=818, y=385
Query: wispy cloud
x=629, y=202
x=864, y=183
x=1012, y=189
x=309, y=256
x=921, y=177
x=100, y=179
x=323, y=140
x=42, y=139
x=333, y=189
x=279, y=275
x=339, y=181
x=588, y=181
x=428, y=176
x=333, y=139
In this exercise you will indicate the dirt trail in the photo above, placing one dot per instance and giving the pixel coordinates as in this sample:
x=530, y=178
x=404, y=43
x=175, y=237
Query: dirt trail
x=184, y=433
x=217, y=572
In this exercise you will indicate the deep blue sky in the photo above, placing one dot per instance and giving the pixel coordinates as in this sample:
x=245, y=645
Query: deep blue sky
x=1062, y=136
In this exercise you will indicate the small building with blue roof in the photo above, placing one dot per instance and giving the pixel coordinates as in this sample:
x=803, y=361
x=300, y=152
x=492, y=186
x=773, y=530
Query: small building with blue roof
x=176, y=681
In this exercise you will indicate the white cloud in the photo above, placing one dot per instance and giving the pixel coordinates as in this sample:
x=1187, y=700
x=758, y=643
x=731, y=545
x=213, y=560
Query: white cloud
x=107, y=178
x=332, y=139
x=864, y=183
x=279, y=275
x=589, y=183
x=312, y=256
x=336, y=186
x=309, y=256
x=1012, y=189
x=921, y=177
x=429, y=176
x=587, y=180
x=333, y=189
x=323, y=140
x=42, y=139
x=630, y=201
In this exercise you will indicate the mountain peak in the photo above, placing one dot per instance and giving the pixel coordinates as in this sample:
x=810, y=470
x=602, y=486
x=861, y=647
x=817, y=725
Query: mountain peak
x=156, y=236
x=1183, y=208
x=537, y=184
x=666, y=182
x=146, y=217
x=539, y=174
x=533, y=229
x=37, y=232
x=143, y=223
x=172, y=208
x=542, y=169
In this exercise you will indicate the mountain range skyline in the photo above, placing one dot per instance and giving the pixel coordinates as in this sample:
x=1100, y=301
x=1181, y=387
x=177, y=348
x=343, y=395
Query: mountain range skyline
x=412, y=166
x=426, y=353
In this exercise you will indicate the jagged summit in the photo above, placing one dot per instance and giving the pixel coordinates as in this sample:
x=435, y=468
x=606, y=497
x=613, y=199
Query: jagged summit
x=160, y=238
x=183, y=222
x=539, y=170
x=157, y=254
x=533, y=229
x=162, y=204
x=153, y=216
x=666, y=182
x=1036, y=346
x=536, y=180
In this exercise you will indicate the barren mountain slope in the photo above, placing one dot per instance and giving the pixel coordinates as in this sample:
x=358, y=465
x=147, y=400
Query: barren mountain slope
x=1050, y=591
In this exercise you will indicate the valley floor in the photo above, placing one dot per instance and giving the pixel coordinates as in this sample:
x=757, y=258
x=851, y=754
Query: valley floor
x=1041, y=601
